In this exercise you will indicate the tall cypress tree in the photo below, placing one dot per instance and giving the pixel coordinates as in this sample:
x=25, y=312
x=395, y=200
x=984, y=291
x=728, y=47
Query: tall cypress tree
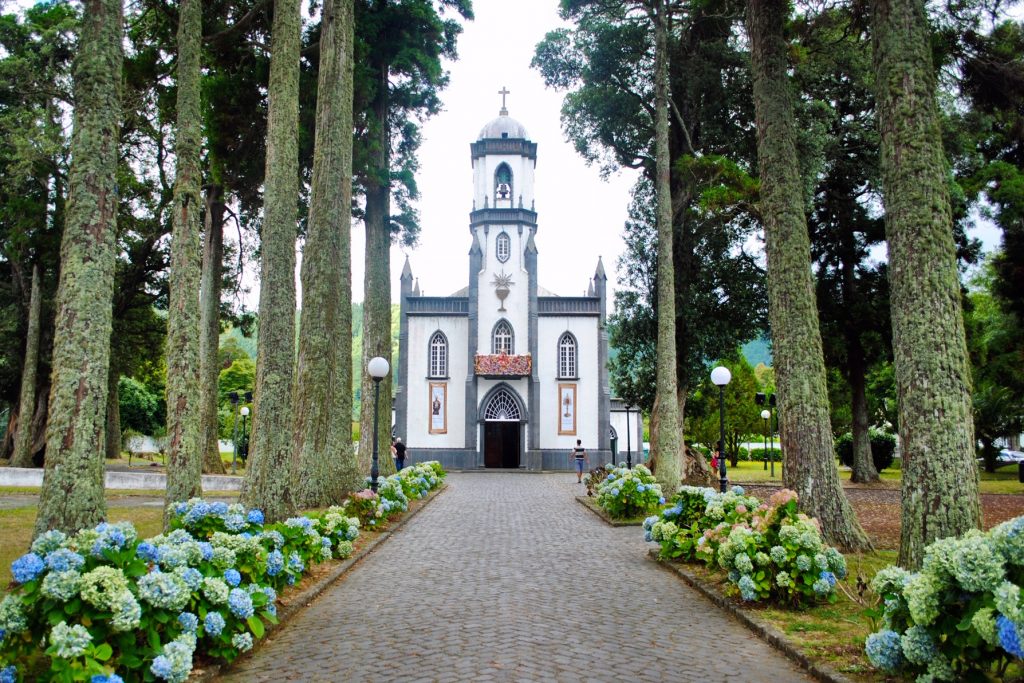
x=668, y=435
x=940, y=475
x=209, y=328
x=268, y=480
x=72, y=491
x=806, y=434
x=323, y=399
x=184, y=465
x=22, y=455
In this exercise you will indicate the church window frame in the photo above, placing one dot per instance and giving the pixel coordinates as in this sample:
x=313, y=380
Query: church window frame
x=502, y=406
x=503, y=184
x=503, y=247
x=568, y=356
x=437, y=355
x=503, y=338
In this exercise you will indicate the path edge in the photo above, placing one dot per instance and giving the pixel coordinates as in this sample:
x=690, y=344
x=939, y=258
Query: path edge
x=764, y=631
x=300, y=601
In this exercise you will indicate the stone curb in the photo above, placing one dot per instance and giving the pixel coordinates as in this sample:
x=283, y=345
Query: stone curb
x=299, y=601
x=584, y=501
x=765, y=631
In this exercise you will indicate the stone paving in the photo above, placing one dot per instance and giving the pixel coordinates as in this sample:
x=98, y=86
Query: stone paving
x=505, y=577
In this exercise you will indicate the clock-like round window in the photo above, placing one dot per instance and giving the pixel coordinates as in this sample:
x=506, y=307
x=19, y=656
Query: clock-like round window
x=504, y=247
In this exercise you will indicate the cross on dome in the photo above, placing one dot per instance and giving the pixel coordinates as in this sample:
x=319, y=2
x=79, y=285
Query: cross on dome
x=504, y=91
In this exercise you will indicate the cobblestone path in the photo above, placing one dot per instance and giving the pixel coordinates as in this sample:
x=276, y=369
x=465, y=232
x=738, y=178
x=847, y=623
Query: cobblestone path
x=505, y=577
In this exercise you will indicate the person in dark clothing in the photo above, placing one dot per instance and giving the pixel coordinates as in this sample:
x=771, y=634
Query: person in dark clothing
x=399, y=454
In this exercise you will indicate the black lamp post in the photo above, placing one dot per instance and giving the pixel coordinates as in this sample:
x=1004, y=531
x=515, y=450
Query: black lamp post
x=721, y=376
x=766, y=415
x=378, y=369
x=245, y=439
x=771, y=430
x=629, y=445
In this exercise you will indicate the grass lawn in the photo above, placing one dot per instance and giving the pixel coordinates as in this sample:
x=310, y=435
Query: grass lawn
x=1003, y=480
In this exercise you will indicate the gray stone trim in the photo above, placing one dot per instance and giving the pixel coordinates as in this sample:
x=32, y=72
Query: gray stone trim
x=604, y=392
x=523, y=407
x=533, y=386
x=447, y=355
x=487, y=216
x=438, y=305
x=473, y=299
x=401, y=398
x=519, y=146
x=570, y=305
x=450, y=458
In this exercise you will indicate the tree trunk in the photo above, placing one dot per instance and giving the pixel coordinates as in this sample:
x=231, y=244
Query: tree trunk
x=209, y=330
x=72, y=493
x=806, y=435
x=863, y=462
x=377, y=285
x=268, y=479
x=940, y=475
x=113, y=431
x=22, y=455
x=184, y=405
x=323, y=402
x=669, y=444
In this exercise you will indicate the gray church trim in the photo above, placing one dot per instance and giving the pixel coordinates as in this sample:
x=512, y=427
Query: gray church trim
x=401, y=398
x=524, y=411
x=558, y=356
x=470, y=407
x=533, y=458
x=447, y=355
x=571, y=305
x=604, y=407
x=438, y=305
x=513, y=146
x=487, y=216
x=512, y=331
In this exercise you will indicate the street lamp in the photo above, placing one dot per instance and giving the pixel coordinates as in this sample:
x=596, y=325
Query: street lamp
x=629, y=445
x=245, y=439
x=771, y=431
x=378, y=369
x=233, y=397
x=721, y=376
x=765, y=415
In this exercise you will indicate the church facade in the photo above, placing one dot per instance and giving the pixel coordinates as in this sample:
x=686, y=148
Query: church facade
x=503, y=373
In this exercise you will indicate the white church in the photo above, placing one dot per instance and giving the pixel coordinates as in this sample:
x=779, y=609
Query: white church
x=504, y=373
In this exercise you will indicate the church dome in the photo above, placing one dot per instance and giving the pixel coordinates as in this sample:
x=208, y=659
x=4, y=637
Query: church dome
x=504, y=127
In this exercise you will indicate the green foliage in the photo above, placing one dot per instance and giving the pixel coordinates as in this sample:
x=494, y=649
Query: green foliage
x=625, y=493
x=141, y=410
x=883, y=449
x=239, y=377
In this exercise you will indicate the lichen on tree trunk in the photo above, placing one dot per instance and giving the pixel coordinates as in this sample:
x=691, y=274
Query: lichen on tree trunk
x=268, y=480
x=806, y=435
x=72, y=493
x=184, y=454
x=940, y=475
x=112, y=448
x=22, y=454
x=323, y=397
x=209, y=329
x=668, y=446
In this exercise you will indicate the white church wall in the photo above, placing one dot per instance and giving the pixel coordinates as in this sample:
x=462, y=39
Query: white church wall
x=549, y=330
x=421, y=329
x=516, y=304
x=484, y=169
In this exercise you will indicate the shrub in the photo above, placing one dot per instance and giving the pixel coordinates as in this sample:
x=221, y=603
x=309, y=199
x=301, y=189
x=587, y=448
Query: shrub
x=961, y=616
x=594, y=477
x=628, y=492
x=104, y=602
x=770, y=550
x=883, y=449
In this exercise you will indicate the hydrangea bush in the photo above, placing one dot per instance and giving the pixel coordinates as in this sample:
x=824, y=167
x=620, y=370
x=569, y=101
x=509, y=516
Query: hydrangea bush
x=961, y=616
x=770, y=550
x=628, y=492
x=103, y=604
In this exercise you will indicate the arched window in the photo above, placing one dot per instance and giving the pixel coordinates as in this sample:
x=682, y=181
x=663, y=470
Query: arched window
x=503, y=186
x=503, y=246
x=567, y=355
x=502, y=407
x=438, y=355
x=501, y=338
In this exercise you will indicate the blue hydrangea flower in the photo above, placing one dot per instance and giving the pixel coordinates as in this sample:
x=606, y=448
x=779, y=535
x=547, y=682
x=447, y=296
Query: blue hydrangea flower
x=206, y=549
x=147, y=551
x=255, y=516
x=167, y=591
x=219, y=508
x=110, y=678
x=1009, y=636
x=615, y=492
x=242, y=641
x=9, y=674
x=240, y=603
x=62, y=560
x=69, y=641
x=748, y=590
x=738, y=490
x=803, y=563
x=884, y=650
x=196, y=513
x=232, y=577
x=661, y=501
x=192, y=577
x=275, y=563
x=234, y=523
x=829, y=577
x=213, y=624
x=27, y=567
x=189, y=622
x=295, y=563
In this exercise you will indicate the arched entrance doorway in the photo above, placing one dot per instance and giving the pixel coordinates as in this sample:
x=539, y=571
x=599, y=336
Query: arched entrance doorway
x=503, y=421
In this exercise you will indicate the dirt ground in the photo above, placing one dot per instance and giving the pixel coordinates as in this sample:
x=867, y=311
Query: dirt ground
x=878, y=509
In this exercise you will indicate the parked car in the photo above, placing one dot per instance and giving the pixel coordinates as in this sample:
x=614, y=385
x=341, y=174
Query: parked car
x=1007, y=457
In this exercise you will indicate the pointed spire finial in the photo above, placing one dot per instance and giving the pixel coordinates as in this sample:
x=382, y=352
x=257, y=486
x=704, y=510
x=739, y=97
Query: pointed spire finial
x=504, y=91
x=599, y=273
x=406, y=269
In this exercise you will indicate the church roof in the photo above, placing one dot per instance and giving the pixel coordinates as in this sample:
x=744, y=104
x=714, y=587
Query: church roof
x=504, y=127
